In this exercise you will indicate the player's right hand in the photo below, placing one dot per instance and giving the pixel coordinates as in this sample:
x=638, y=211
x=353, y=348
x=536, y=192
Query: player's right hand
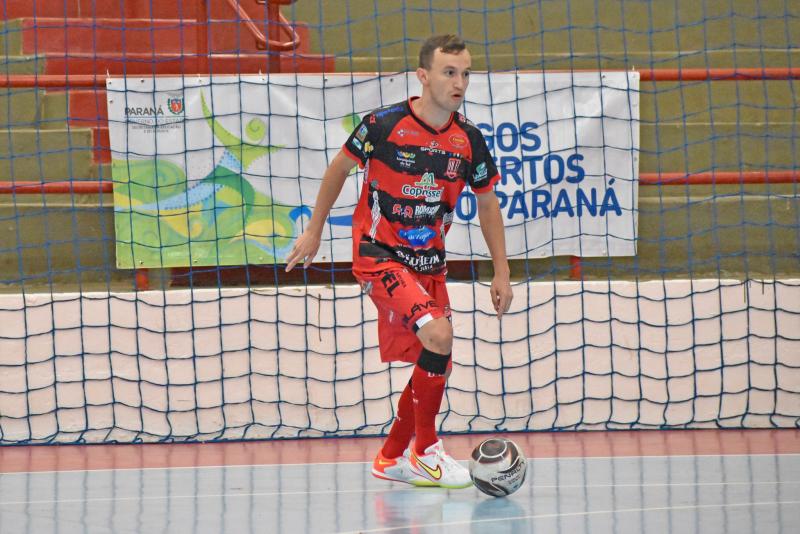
x=304, y=250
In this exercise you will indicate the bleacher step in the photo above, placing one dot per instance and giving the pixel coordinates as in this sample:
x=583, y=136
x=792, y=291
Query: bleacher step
x=46, y=35
x=128, y=9
x=46, y=154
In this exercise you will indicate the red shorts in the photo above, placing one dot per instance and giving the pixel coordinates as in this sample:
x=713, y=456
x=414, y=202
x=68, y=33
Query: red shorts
x=405, y=301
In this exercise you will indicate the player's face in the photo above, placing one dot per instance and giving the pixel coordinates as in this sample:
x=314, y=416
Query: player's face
x=447, y=79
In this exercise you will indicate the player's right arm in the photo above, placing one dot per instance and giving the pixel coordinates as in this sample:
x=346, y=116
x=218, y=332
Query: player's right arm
x=307, y=245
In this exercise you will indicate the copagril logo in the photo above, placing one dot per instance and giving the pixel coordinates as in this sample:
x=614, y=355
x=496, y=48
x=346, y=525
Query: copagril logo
x=426, y=187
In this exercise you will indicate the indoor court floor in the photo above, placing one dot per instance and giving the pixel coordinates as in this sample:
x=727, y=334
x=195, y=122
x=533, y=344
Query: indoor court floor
x=693, y=481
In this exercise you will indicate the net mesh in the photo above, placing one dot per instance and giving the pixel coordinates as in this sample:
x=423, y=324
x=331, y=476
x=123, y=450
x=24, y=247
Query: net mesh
x=104, y=337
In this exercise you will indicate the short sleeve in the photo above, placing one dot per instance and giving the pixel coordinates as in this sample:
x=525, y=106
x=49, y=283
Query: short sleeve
x=362, y=141
x=483, y=171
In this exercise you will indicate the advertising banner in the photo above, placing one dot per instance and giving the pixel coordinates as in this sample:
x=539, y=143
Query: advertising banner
x=226, y=171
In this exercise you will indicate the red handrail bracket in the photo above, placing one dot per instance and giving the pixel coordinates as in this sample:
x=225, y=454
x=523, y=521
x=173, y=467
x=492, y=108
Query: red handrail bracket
x=277, y=24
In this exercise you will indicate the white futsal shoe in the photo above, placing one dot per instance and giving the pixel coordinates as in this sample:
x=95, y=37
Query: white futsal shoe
x=439, y=468
x=398, y=469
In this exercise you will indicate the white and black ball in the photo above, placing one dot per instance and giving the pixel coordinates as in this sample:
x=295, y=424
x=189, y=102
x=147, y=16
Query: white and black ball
x=497, y=467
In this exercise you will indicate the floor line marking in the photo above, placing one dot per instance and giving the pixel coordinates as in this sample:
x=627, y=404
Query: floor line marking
x=575, y=514
x=738, y=455
x=369, y=490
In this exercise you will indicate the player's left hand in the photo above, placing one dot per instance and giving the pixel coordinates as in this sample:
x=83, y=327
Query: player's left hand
x=501, y=294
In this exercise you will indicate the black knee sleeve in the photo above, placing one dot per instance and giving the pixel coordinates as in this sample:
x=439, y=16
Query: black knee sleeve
x=433, y=362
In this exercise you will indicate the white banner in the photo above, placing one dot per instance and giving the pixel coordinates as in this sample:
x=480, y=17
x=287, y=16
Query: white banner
x=566, y=145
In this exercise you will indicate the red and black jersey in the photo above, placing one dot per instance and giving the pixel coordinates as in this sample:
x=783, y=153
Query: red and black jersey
x=414, y=175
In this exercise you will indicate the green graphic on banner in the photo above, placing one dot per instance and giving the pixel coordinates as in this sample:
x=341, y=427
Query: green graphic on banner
x=162, y=221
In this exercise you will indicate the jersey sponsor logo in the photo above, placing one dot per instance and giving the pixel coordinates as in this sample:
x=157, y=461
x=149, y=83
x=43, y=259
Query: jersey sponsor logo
x=426, y=187
x=453, y=165
x=427, y=179
x=403, y=211
x=368, y=147
x=392, y=109
x=417, y=308
x=390, y=282
x=357, y=144
x=402, y=132
x=417, y=237
x=406, y=159
x=481, y=172
x=433, y=143
x=362, y=133
x=458, y=141
x=430, y=150
x=425, y=211
x=372, y=119
x=418, y=213
x=419, y=263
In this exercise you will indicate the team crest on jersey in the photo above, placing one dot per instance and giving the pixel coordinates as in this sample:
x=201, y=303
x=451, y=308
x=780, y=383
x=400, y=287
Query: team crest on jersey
x=402, y=132
x=426, y=187
x=458, y=141
x=453, y=165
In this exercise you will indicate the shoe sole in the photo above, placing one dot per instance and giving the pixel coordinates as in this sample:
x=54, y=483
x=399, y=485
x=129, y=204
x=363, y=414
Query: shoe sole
x=418, y=483
x=452, y=486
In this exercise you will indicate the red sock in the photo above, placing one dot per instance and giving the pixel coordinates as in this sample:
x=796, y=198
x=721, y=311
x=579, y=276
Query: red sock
x=403, y=426
x=428, y=389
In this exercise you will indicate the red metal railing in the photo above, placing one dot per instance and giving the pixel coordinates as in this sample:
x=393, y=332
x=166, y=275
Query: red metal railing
x=645, y=179
x=85, y=187
x=647, y=75
x=277, y=24
x=682, y=75
x=719, y=178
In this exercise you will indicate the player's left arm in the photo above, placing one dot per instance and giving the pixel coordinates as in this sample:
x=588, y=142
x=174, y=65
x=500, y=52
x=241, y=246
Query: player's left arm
x=494, y=234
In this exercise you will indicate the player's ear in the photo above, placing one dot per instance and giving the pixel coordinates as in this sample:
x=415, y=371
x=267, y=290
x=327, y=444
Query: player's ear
x=422, y=75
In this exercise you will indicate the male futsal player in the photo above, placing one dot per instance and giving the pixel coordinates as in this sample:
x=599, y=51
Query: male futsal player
x=419, y=154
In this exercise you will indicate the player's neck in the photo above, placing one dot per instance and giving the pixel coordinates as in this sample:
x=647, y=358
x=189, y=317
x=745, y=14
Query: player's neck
x=427, y=110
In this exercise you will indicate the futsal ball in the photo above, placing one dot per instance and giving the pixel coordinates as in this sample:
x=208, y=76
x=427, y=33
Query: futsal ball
x=497, y=467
